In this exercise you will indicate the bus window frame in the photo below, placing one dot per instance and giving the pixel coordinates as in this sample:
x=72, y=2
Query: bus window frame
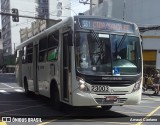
x=55, y=47
x=42, y=51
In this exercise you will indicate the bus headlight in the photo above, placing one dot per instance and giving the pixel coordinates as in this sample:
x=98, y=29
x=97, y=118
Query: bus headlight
x=137, y=85
x=82, y=85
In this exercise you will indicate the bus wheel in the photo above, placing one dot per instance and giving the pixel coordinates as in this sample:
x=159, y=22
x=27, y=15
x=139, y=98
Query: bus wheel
x=26, y=87
x=106, y=107
x=55, y=99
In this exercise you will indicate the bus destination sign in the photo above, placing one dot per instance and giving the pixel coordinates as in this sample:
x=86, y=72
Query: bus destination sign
x=106, y=24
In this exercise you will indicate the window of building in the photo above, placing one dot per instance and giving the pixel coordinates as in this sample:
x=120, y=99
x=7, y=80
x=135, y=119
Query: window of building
x=100, y=1
x=6, y=35
x=45, y=1
x=4, y=20
x=46, y=10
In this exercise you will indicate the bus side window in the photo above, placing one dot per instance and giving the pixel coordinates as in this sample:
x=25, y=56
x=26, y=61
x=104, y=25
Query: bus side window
x=29, y=53
x=53, y=42
x=24, y=55
x=43, y=49
x=17, y=57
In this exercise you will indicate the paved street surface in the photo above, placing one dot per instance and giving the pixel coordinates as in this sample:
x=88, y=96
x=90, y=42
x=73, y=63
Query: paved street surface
x=16, y=106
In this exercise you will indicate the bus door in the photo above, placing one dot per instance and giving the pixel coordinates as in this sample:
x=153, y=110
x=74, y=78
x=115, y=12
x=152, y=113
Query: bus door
x=35, y=61
x=66, y=66
x=19, y=67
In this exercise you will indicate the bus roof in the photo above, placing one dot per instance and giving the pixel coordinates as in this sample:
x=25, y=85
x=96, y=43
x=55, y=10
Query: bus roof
x=101, y=17
x=67, y=21
x=40, y=35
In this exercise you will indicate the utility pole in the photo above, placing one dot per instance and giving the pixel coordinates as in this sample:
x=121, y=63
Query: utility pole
x=90, y=11
x=86, y=2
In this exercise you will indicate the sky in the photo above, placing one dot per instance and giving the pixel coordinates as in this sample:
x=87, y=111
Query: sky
x=76, y=8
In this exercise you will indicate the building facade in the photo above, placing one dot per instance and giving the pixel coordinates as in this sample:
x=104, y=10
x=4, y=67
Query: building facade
x=1, y=49
x=46, y=9
x=42, y=8
x=10, y=29
x=52, y=10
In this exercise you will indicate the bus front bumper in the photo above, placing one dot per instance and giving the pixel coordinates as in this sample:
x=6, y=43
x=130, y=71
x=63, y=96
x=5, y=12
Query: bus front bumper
x=87, y=99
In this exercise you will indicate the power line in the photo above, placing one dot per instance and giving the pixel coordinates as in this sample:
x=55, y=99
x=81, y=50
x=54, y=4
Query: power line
x=24, y=16
x=144, y=29
x=21, y=23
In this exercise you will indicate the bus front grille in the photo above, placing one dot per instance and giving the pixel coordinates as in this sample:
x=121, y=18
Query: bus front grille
x=103, y=101
x=112, y=83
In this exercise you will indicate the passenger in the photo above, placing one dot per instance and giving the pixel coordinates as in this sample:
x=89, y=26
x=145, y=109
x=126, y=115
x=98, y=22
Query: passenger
x=156, y=82
x=145, y=82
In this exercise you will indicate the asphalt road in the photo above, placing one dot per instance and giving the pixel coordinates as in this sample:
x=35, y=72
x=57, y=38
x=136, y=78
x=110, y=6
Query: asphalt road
x=16, y=106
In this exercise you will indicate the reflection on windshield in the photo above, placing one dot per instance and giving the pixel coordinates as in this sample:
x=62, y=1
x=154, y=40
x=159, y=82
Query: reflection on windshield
x=100, y=53
x=126, y=53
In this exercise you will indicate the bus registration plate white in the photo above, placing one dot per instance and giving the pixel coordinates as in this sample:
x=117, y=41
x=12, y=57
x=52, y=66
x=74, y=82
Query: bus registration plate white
x=97, y=88
x=111, y=98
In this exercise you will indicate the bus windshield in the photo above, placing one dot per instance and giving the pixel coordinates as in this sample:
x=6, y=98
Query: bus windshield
x=99, y=53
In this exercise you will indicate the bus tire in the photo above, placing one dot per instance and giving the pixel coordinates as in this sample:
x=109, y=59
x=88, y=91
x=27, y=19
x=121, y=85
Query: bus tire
x=26, y=91
x=55, y=98
x=106, y=107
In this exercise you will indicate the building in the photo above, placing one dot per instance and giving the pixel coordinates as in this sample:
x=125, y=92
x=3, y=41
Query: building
x=52, y=10
x=1, y=50
x=58, y=9
x=46, y=9
x=42, y=8
x=145, y=13
x=10, y=29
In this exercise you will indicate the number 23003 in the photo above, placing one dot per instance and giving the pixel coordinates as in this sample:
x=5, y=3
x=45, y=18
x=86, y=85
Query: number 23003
x=100, y=88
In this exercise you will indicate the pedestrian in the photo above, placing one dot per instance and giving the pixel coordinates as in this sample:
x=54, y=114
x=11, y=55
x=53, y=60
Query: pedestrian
x=145, y=82
x=156, y=82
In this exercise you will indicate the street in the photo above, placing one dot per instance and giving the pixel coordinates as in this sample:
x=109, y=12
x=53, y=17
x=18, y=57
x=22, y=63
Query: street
x=15, y=104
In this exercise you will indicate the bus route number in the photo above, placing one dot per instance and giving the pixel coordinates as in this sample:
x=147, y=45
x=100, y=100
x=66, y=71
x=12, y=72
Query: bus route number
x=100, y=88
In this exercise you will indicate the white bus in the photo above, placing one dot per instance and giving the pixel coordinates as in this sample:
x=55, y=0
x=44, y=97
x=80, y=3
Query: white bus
x=83, y=61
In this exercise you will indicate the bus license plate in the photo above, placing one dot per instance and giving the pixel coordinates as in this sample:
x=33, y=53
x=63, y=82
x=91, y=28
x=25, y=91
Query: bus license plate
x=100, y=88
x=111, y=98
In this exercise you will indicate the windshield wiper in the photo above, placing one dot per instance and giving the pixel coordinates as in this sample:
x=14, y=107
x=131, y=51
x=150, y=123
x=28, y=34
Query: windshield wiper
x=100, y=45
x=120, y=43
x=122, y=40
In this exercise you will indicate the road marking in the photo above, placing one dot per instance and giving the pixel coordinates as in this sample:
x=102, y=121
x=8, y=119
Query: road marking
x=139, y=106
x=4, y=92
x=151, y=99
x=3, y=123
x=119, y=123
x=12, y=88
x=6, y=85
x=44, y=123
x=150, y=114
x=131, y=112
x=18, y=90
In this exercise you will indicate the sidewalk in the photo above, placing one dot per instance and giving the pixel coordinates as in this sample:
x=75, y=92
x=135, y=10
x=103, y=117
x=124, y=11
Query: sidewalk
x=150, y=92
x=7, y=73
